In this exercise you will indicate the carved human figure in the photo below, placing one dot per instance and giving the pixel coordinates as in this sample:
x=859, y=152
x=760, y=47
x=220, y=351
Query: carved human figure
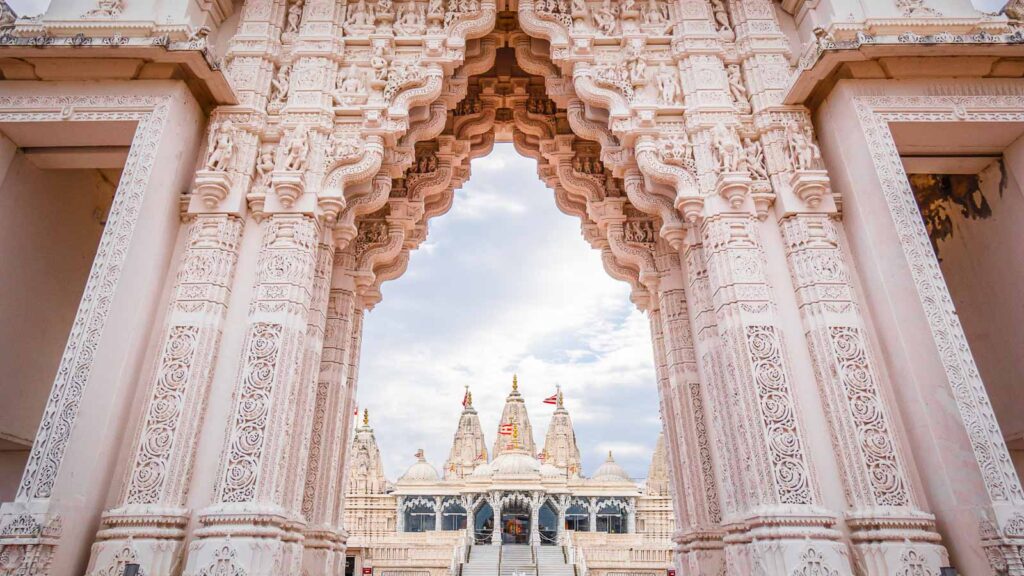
x=579, y=6
x=351, y=81
x=222, y=147
x=436, y=8
x=654, y=13
x=606, y=18
x=804, y=154
x=722, y=19
x=728, y=150
x=279, y=84
x=264, y=166
x=296, y=151
x=668, y=85
x=754, y=152
x=677, y=150
x=736, y=88
x=637, y=68
x=628, y=5
x=360, y=15
x=294, y=16
x=379, y=63
x=410, y=21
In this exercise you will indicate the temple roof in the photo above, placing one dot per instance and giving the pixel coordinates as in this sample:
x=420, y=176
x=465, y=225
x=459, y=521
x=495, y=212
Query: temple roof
x=657, y=474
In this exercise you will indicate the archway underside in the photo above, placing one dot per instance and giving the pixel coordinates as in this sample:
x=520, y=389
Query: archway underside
x=660, y=126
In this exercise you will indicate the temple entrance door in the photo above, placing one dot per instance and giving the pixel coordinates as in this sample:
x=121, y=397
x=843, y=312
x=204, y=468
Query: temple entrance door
x=515, y=525
x=483, y=524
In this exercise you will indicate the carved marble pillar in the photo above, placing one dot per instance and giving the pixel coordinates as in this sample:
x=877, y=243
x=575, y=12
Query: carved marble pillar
x=253, y=520
x=563, y=504
x=535, y=503
x=151, y=518
x=888, y=527
x=438, y=513
x=400, y=522
x=593, y=514
x=324, y=537
x=702, y=538
x=631, y=516
x=496, y=509
x=785, y=529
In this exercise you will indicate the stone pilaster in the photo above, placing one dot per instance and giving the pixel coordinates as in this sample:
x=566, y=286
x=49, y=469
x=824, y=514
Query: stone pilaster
x=151, y=518
x=701, y=540
x=253, y=521
x=785, y=529
x=324, y=538
x=887, y=523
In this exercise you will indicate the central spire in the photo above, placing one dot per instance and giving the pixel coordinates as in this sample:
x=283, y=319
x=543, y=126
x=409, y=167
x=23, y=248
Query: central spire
x=516, y=422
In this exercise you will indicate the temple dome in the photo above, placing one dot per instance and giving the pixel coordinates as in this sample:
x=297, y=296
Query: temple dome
x=421, y=471
x=515, y=464
x=610, y=471
x=482, y=470
x=551, y=471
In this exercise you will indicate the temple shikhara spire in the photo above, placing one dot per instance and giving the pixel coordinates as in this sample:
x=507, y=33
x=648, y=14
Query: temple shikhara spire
x=468, y=446
x=560, y=447
x=815, y=205
x=514, y=415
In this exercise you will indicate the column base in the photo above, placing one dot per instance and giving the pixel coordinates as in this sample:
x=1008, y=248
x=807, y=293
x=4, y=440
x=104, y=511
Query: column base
x=323, y=551
x=29, y=532
x=254, y=539
x=701, y=552
x=783, y=540
x=150, y=536
x=886, y=543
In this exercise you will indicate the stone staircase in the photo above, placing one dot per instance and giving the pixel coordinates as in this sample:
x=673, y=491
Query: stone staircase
x=483, y=561
x=551, y=561
x=515, y=560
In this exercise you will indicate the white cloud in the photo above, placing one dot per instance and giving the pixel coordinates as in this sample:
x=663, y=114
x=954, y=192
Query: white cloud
x=510, y=289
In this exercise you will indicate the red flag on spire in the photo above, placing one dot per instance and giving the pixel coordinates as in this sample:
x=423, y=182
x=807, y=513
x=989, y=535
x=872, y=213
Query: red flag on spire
x=465, y=398
x=553, y=399
x=505, y=429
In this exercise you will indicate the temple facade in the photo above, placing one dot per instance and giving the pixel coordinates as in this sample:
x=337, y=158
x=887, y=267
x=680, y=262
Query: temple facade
x=816, y=204
x=523, y=494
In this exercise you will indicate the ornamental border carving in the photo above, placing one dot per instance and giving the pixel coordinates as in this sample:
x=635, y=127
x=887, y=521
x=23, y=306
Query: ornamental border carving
x=75, y=369
x=949, y=104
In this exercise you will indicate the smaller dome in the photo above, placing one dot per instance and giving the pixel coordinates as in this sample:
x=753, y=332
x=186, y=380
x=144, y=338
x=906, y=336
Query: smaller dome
x=421, y=471
x=551, y=471
x=515, y=464
x=610, y=471
x=483, y=470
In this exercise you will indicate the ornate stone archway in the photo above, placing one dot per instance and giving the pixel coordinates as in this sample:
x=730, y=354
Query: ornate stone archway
x=660, y=125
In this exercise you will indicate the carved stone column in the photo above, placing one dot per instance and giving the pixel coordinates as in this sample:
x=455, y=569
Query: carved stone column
x=253, y=521
x=438, y=513
x=701, y=540
x=889, y=529
x=593, y=514
x=784, y=527
x=536, y=501
x=324, y=538
x=150, y=521
x=400, y=522
x=496, y=509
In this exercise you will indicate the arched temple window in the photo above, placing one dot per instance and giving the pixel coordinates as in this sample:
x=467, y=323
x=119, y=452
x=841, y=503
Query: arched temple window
x=483, y=524
x=577, y=517
x=419, y=516
x=453, y=515
x=612, y=517
x=548, y=524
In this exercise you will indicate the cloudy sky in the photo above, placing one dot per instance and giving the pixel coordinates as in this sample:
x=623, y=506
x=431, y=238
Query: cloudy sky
x=506, y=284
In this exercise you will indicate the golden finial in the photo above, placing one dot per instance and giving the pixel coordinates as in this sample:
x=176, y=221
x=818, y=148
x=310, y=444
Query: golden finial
x=515, y=435
x=515, y=382
x=366, y=416
x=610, y=456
